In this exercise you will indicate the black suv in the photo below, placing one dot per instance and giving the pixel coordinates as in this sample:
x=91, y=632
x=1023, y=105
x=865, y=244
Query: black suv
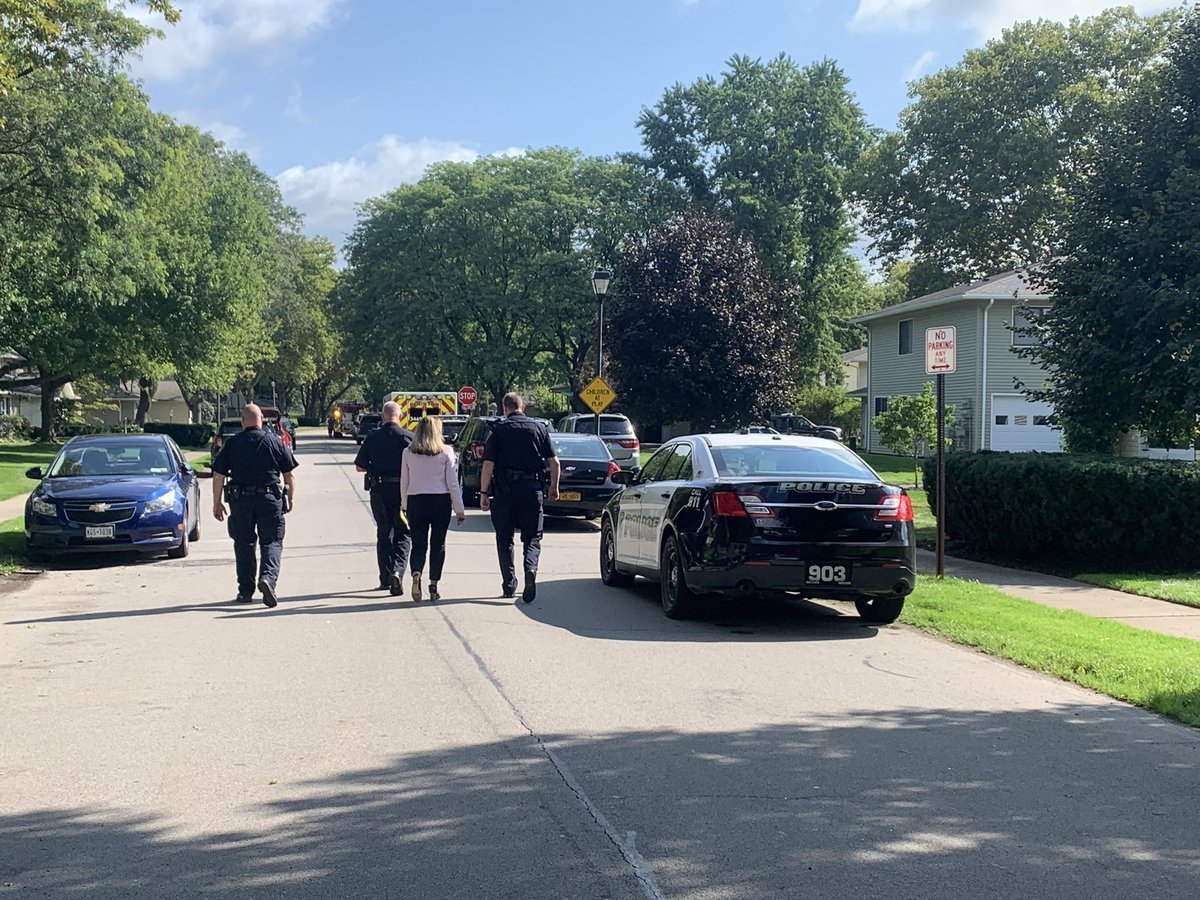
x=470, y=452
x=792, y=424
x=365, y=425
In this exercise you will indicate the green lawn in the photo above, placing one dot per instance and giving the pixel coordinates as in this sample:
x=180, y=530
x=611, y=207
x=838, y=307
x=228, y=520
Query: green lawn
x=1181, y=588
x=892, y=469
x=15, y=458
x=1145, y=668
x=12, y=545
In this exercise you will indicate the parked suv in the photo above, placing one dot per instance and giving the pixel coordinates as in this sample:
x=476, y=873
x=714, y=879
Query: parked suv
x=470, y=445
x=791, y=424
x=366, y=423
x=615, y=430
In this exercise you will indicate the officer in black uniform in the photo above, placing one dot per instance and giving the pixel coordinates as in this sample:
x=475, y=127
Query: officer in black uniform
x=254, y=462
x=519, y=467
x=379, y=456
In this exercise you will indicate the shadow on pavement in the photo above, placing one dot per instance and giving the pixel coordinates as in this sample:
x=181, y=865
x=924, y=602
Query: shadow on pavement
x=896, y=802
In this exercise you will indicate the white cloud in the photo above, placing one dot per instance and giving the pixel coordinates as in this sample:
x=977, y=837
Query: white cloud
x=328, y=194
x=211, y=28
x=917, y=68
x=294, y=108
x=230, y=135
x=987, y=18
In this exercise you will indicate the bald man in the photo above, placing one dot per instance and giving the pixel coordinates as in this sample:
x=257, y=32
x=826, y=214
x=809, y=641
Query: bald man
x=380, y=456
x=252, y=465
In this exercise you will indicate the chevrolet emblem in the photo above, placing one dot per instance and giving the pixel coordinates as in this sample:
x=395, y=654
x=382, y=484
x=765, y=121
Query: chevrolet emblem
x=98, y=508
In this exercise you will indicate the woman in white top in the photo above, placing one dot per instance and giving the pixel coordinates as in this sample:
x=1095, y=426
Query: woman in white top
x=428, y=489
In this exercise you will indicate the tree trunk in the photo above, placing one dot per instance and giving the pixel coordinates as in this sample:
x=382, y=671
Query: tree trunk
x=145, y=388
x=50, y=385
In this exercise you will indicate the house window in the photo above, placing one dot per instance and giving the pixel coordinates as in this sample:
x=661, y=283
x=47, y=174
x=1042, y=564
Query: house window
x=905, y=337
x=1021, y=319
x=880, y=405
x=4, y=410
x=1001, y=420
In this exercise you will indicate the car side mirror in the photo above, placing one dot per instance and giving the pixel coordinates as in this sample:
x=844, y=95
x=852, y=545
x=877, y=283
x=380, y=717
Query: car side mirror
x=624, y=477
x=35, y=473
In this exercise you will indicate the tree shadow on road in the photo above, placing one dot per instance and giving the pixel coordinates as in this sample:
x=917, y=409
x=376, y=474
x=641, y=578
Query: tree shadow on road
x=1069, y=801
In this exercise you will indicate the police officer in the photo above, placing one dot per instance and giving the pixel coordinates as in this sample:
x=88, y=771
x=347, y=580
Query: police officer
x=380, y=456
x=253, y=462
x=518, y=460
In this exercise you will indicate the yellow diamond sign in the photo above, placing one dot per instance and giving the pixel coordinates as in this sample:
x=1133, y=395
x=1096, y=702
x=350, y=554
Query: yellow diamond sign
x=597, y=395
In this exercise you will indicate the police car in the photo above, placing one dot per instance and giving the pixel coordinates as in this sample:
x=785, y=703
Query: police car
x=739, y=514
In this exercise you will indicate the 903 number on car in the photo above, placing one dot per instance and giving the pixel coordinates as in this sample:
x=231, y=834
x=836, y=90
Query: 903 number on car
x=828, y=575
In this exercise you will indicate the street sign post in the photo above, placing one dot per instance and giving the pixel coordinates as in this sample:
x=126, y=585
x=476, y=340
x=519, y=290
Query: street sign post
x=941, y=359
x=467, y=396
x=597, y=396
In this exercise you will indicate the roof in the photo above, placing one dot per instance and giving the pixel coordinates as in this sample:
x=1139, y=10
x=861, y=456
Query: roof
x=1014, y=285
x=855, y=356
x=165, y=391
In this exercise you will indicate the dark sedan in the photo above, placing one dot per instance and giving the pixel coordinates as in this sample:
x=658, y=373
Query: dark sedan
x=114, y=492
x=739, y=514
x=585, y=480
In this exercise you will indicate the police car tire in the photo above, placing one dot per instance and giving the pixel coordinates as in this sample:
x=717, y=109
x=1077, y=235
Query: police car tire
x=609, y=573
x=678, y=601
x=879, y=610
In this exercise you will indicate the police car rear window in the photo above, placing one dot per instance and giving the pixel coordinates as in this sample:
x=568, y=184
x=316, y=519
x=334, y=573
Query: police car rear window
x=607, y=426
x=767, y=460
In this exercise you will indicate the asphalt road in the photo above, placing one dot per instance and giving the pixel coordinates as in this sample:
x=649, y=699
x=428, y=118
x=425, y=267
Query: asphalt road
x=160, y=741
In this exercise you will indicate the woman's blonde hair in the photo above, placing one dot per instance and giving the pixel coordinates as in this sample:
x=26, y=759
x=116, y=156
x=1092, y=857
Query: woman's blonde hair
x=428, y=441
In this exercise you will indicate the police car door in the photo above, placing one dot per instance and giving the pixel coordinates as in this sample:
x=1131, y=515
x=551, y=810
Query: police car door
x=656, y=500
x=629, y=515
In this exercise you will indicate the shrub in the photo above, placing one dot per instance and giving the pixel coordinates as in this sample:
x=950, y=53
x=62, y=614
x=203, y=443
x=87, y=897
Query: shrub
x=184, y=435
x=309, y=421
x=831, y=406
x=77, y=427
x=1071, y=509
x=15, y=428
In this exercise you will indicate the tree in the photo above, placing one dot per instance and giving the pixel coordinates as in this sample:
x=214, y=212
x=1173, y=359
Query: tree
x=980, y=175
x=771, y=146
x=910, y=423
x=704, y=331
x=1121, y=340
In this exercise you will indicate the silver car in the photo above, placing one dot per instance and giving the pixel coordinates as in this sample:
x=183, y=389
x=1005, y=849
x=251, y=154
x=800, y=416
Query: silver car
x=615, y=430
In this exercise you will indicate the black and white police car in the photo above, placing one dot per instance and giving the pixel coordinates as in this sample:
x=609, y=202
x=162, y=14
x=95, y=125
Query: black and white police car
x=745, y=513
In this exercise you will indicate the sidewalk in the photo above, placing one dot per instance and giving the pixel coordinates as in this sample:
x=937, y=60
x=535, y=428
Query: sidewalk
x=1063, y=593
x=15, y=506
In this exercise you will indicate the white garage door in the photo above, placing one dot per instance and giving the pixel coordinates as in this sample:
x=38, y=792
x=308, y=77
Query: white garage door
x=1020, y=424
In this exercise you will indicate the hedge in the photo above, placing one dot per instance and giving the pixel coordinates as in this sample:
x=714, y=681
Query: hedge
x=184, y=435
x=309, y=421
x=1071, y=509
x=15, y=428
x=76, y=428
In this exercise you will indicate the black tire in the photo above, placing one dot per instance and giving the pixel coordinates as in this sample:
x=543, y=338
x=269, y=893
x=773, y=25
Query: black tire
x=609, y=573
x=181, y=551
x=591, y=517
x=470, y=497
x=678, y=602
x=194, y=534
x=879, y=610
x=38, y=555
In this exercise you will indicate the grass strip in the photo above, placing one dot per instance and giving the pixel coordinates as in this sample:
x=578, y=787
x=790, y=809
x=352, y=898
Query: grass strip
x=1151, y=670
x=12, y=545
x=15, y=458
x=1183, y=588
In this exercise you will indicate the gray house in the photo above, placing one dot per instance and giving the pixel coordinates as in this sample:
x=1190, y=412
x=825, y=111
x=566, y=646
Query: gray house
x=990, y=412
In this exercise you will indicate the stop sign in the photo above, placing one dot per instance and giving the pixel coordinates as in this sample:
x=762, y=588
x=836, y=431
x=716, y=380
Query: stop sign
x=467, y=396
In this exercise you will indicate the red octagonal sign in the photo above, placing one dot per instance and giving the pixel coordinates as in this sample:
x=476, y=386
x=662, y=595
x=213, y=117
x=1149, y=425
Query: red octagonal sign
x=467, y=396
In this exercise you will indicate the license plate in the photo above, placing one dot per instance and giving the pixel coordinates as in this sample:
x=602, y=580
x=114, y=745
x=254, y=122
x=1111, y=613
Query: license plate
x=827, y=574
x=99, y=532
x=569, y=495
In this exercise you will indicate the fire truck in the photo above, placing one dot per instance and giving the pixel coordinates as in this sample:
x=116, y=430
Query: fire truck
x=415, y=405
x=341, y=419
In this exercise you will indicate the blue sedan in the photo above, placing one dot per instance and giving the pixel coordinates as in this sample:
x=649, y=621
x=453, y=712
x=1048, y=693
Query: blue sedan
x=114, y=492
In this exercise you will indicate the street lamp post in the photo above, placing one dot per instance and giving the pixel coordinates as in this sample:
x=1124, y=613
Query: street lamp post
x=600, y=280
x=274, y=401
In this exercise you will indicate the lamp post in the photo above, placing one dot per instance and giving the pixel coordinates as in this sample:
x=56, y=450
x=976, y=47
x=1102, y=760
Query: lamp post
x=600, y=280
x=274, y=401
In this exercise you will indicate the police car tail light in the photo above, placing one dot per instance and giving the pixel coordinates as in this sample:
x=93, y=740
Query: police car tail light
x=755, y=507
x=896, y=508
x=728, y=503
x=477, y=449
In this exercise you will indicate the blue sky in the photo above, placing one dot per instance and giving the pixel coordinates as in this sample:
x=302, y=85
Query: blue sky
x=342, y=100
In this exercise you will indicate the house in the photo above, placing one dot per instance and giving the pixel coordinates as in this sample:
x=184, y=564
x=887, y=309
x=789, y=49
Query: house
x=166, y=404
x=990, y=412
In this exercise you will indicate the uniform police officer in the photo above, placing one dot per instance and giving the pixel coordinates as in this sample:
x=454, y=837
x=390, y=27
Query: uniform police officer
x=518, y=461
x=253, y=463
x=380, y=456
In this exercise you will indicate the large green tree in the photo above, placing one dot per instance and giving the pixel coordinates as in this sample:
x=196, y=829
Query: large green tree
x=704, y=334
x=1122, y=340
x=480, y=272
x=980, y=175
x=771, y=145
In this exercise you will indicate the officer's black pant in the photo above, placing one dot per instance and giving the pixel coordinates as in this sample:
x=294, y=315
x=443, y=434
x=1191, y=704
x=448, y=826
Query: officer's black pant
x=521, y=507
x=257, y=518
x=428, y=520
x=392, y=541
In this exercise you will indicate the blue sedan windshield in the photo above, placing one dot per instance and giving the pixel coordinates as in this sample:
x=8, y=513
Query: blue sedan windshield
x=112, y=459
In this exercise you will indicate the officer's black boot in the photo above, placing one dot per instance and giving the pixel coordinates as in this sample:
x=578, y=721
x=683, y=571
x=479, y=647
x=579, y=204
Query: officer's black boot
x=530, y=591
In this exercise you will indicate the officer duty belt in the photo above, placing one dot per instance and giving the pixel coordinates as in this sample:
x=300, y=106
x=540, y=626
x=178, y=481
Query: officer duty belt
x=387, y=479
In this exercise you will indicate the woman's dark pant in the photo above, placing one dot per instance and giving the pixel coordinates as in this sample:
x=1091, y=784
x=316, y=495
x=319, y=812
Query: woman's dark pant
x=428, y=519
